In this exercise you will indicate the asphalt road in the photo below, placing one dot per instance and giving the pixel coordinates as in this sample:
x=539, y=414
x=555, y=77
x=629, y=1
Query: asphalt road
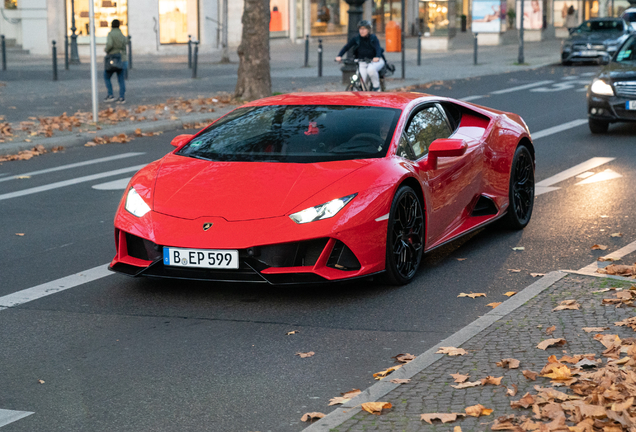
x=138, y=355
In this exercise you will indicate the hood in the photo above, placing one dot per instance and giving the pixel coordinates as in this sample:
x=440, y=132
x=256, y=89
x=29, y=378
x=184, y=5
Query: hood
x=615, y=71
x=236, y=191
x=596, y=37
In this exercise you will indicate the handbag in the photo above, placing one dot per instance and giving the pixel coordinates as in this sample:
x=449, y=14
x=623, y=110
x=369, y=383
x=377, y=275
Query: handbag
x=113, y=63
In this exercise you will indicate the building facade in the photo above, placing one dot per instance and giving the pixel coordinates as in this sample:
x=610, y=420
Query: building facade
x=162, y=27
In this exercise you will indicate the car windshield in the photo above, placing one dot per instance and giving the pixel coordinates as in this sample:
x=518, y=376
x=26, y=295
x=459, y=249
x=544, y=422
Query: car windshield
x=296, y=133
x=627, y=52
x=600, y=26
x=630, y=16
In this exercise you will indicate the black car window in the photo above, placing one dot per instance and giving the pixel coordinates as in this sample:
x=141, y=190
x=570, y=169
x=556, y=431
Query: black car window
x=627, y=53
x=425, y=127
x=297, y=133
x=630, y=16
x=601, y=26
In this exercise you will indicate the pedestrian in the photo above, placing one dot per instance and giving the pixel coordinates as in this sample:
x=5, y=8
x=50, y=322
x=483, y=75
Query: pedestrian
x=366, y=46
x=115, y=55
x=570, y=19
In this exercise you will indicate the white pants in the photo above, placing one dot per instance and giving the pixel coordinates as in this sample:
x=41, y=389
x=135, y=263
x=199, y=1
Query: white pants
x=371, y=70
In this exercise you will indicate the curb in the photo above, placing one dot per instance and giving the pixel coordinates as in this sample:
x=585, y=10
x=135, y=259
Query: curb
x=421, y=362
x=82, y=138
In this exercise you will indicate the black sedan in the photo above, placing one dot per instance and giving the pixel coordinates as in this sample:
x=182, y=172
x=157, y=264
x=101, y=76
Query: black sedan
x=595, y=40
x=612, y=96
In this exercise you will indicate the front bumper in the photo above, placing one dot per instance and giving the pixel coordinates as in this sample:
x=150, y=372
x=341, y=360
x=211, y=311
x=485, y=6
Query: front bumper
x=609, y=108
x=592, y=56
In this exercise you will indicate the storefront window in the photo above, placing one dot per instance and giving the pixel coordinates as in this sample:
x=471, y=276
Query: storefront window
x=385, y=11
x=105, y=12
x=433, y=17
x=300, y=18
x=329, y=17
x=279, y=18
x=10, y=4
x=567, y=13
x=177, y=20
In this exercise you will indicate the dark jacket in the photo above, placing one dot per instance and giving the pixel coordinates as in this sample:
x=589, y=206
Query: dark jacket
x=116, y=42
x=357, y=41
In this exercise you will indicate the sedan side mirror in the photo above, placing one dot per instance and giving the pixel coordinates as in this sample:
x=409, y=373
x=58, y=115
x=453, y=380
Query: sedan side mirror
x=180, y=140
x=445, y=147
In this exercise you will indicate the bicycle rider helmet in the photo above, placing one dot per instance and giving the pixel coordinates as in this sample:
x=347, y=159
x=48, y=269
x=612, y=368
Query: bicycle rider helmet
x=364, y=23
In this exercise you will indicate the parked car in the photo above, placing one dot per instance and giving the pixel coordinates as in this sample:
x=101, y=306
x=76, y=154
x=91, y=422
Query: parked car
x=309, y=188
x=595, y=40
x=630, y=16
x=612, y=96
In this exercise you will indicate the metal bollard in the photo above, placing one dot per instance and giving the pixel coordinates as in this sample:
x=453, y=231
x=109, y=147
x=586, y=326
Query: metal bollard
x=195, y=59
x=319, y=57
x=475, y=50
x=129, y=53
x=54, y=49
x=419, y=48
x=4, y=53
x=306, y=50
x=66, y=52
x=189, y=52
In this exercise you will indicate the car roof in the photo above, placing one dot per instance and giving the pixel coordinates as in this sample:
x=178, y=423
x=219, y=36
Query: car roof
x=397, y=100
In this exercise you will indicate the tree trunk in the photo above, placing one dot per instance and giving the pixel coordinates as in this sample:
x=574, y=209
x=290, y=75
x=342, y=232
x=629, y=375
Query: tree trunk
x=254, y=80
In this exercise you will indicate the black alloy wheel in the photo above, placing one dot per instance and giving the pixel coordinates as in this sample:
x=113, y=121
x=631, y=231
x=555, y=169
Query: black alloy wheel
x=521, y=193
x=597, y=126
x=405, y=237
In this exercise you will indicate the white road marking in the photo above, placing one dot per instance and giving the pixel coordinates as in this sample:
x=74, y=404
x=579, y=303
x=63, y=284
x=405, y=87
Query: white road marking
x=608, y=174
x=559, y=128
x=591, y=269
x=48, y=288
x=113, y=185
x=471, y=98
x=566, y=85
x=545, y=186
x=522, y=87
x=70, y=182
x=585, y=175
x=9, y=416
x=75, y=165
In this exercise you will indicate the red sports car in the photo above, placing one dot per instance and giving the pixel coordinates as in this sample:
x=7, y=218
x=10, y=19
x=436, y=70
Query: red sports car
x=307, y=188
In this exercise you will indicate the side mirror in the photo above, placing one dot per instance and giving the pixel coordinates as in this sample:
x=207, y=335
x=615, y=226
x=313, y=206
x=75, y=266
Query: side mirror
x=445, y=147
x=180, y=140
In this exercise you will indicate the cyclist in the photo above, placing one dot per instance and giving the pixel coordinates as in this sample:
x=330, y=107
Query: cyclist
x=366, y=46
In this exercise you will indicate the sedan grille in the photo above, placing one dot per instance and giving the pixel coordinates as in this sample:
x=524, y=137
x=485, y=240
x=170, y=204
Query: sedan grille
x=625, y=88
x=583, y=47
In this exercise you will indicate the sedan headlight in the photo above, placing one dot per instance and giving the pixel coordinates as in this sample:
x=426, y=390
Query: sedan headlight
x=322, y=211
x=602, y=88
x=136, y=204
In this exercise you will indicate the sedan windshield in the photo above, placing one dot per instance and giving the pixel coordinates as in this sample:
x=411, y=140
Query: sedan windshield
x=297, y=133
x=627, y=53
x=600, y=26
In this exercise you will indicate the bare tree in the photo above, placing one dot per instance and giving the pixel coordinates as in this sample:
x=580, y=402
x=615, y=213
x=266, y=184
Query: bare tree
x=254, y=80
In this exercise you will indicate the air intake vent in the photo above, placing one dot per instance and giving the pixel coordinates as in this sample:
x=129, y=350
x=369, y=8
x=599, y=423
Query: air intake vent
x=342, y=258
x=484, y=207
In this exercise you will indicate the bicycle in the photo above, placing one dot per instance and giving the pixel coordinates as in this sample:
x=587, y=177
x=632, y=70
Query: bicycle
x=357, y=84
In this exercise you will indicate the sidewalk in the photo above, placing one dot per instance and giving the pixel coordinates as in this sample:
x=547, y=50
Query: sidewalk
x=28, y=93
x=597, y=394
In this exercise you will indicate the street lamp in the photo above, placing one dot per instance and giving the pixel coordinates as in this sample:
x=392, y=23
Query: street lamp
x=355, y=15
x=74, y=54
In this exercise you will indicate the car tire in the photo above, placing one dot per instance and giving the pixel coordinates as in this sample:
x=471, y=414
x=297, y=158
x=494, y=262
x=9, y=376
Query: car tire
x=597, y=126
x=566, y=63
x=521, y=189
x=405, y=237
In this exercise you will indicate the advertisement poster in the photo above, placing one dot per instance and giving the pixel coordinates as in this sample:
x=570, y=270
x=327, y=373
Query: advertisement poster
x=532, y=14
x=486, y=16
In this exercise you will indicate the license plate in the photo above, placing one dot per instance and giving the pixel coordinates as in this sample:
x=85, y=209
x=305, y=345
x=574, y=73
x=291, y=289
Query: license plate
x=630, y=105
x=201, y=258
x=588, y=53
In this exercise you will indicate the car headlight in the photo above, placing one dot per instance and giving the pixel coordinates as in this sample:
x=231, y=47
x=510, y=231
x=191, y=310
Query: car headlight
x=136, y=204
x=567, y=48
x=322, y=211
x=602, y=88
x=354, y=77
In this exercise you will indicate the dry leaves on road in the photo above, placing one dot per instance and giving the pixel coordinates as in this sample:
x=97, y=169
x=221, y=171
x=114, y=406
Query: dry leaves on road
x=472, y=295
x=512, y=391
x=526, y=401
x=594, y=329
x=621, y=298
x=41, y=381
x=550, y=330
x=404, y=358
x=311, y=416
x=514, y=270
x=491, y=380
x=462, y=259
x=537, y=274
x=494, y=304
x=598, y=247
x=376, y=407
x=628, y=322
x=451, y=351
x=459, y=378
x=509, y=362
x=384, y=373
x=609, y=258
x=532, y=376
x=478, y=410
x=551, y=342
x=567, y=304
x=291, y=332
x=305, y=354
x=618, y=270
x=20, y=234
x=616, y=234
x=346, y=397
x=443, y=417
x=519, y=248
x=510, y=293
x=466, y=385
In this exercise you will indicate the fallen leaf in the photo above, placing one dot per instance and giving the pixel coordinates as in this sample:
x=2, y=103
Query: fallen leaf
x=351, y=393
x=601, y=291
x=586, y=363
x=491, y=380
x=514, y=271
x=622, y=406
x=459, y=378
x=532, y=376
x=338, y=400
x=599, y=247
x=478, y=410
x=472, y=295
x=305, y=354
x=404, y=358
x=616, y=234
x=609, y=258
x=524, y=402
x=451, y=351
x=510, y=293
x=291, y=332
x=41, y=381
x=510, y=362
x=400, y=381
x=20, y=234
x=443, y=417
x=512, y=391
x=312, y=416
x=551, y=342
x=537, y=274
x=493, y=305
x=550, y=329
x=466, y=385
x=619, y=270
x=462, y=259
x=594, y=329
x=567, y=304
x=384, y=373
x=457, y=429
x=23, y=177
x=519, y=248
x=375, y=407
